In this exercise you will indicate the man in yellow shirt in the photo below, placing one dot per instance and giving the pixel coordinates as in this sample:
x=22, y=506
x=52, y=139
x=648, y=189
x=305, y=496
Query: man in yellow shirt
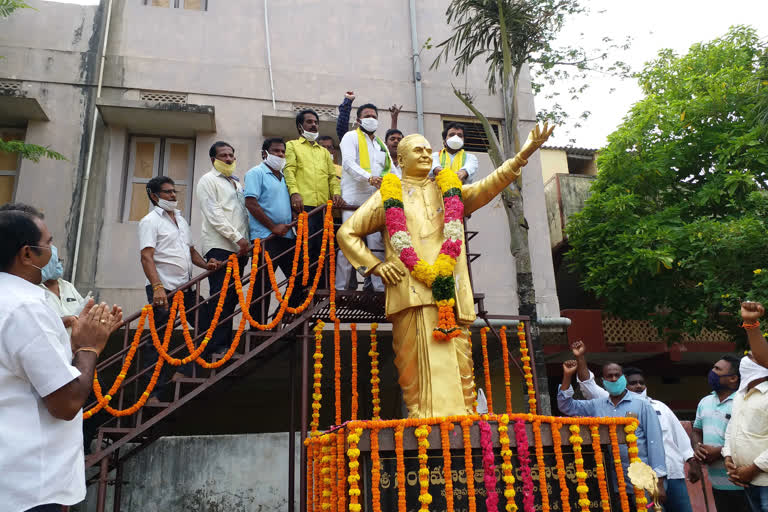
x=310, y=175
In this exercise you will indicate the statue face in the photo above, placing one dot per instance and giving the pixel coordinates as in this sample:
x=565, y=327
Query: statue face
x=414, y=155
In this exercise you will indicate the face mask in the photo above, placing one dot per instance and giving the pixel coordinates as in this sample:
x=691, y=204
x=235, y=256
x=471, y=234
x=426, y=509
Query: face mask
x=642, y=394
x=310, y=136
x=53, y=269
x=224, y=168
x=369, y=124
x=615, y=388
x=750, y=371
x=274, y=162
x=714, y=380
x=455, y=142
x=51, y=250
x=168, y=206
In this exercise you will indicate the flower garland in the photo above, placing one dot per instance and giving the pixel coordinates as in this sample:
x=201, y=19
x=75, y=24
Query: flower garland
x=446, y=428
x=489, y=470
x=305, y=249
x=605, y=500
x=310, y=474
x=438, y=276
x=505, y=360
x=468, y=468
x=640, y=500
x=521, y=436
x=557, y=442
x=622, y=485
x=526, y=359
x=486, y=368
x=541, y=465
x=318, y=375
x=506, y=465
x=341, y=478
x=355, y=397
x=337, y=369
x=333, y=477
x=421, y=434
x=375, y=471
x=354, y=477
x=325, y=472
x=581, y=476
x=399, y=455
x=374, y=355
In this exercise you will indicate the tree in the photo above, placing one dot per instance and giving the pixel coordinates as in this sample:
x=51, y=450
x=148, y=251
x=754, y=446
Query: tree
x=675, y=229
x=28, y=151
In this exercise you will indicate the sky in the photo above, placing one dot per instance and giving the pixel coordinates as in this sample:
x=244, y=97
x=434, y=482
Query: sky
x=653, y=25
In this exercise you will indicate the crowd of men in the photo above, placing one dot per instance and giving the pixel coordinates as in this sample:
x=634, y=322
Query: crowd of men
x=729, y=435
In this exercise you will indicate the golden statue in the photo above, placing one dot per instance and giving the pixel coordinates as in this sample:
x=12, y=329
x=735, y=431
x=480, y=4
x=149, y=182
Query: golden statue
x=435, y=375
x=643, y=477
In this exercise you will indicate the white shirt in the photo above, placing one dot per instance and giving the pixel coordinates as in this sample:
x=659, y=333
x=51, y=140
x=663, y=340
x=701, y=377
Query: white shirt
x=355, y=188
x=677, y=444
x=746, y=438
x=41, y=457
x=171, y=243
x=225, y=219
x=470, y=165
x=68, y=303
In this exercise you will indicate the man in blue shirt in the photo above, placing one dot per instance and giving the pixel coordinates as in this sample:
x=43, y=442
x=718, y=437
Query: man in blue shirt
x=269, y=219
x=619, y=403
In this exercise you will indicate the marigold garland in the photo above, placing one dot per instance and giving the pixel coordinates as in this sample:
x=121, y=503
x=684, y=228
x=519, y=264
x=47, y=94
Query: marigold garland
x=621, y=483
x=310, y=474
x=521, y=436
x=333, y=477
x=421, y=434
x=581, y=476
x=486, y=368
x=468, y=468
x=541, y=465
x=489, y=469
x=400, y=456
x=354, y=477
x=446, y=428
x=374, y=355
x=640, y=500
x=355, y=397
x=325, y=473
x=506, y=465
x=375, y=471
x=337, y=369
x=439, y=275
x=505, y=360
x=557, y=442
x=341, y=477
x=318, y=375
x=526, y=359
x=605, y=500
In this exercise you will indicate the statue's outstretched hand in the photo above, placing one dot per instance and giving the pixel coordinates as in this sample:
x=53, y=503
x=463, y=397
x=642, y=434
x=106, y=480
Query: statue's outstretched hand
x=389, y=272
x=536, y=139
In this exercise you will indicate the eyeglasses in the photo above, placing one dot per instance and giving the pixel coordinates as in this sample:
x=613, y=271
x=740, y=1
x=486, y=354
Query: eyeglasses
x=40, y=246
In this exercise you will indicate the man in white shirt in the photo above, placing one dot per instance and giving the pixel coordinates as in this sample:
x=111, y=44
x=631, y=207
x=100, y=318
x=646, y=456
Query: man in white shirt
x=365, y=160
x=225, y=232
x=392, y=140
x=453, y=156
x=167, y=256
x=677, y=444
x=43, y=384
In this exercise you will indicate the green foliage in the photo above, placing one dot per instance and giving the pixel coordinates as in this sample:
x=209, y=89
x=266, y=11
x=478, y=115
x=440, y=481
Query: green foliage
x=8, y=6
x=675, y=228
x=29, y=151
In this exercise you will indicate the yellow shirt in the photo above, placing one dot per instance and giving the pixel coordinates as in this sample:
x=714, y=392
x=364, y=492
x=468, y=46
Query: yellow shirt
x=309, y=171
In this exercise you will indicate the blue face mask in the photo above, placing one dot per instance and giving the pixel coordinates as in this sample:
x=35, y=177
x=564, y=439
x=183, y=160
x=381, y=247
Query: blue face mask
x=615, y=388
x=54, y=269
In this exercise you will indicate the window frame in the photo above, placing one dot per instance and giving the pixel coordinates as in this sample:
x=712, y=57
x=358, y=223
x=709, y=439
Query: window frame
x=178, y=4
x=9, y=172
x=474, y=121
x=159, y=168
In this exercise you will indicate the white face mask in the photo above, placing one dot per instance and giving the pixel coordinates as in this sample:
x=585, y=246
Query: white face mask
x=310, y=136
x=455, y=142
x=274, y=162
x=750, y=371
x=369, y=124
x=168, y=206
x=642, y=394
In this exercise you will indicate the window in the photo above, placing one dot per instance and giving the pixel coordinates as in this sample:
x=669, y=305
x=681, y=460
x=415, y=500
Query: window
x=474, y=135
x=157, y=156
x=9, y=166
x=192, y=5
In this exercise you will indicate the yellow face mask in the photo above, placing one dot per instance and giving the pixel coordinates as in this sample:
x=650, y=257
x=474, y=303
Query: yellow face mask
x=224, y=168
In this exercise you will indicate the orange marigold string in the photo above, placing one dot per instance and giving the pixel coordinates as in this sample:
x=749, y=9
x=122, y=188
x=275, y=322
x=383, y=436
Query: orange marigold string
x=605, y=499
x=581, y=476
x=505, y=360
x=526, y=359
x=318, y=375
x=557, y=442
x=310, y=474
x=375, y=471
x=341, y=476
x=333, y=477
x=374, y=355
x=486, y=368
x=400, y=456
x=619, y=469
x=541, y=465
x=506, y=465
x=305, y=249
x=421, y=434
x=446, y=428
x=468, y=468
x=355, y=397
x=325, y=472
x=354, y=477
x=337, y=369
x=640, y=500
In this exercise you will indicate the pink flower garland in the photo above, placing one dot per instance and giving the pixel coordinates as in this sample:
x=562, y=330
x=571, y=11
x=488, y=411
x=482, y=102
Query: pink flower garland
x=395, y=220
x=454, y=208
x=450, y=247
x=489, y=470
x=409, y=257
x=525, y=465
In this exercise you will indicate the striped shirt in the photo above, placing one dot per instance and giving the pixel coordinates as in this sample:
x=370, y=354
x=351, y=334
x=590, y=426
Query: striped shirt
x=712, y=417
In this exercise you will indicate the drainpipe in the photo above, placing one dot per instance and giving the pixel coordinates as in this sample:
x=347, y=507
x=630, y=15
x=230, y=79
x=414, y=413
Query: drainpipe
x=89, y=160
x=416, y=69
x=269, y=55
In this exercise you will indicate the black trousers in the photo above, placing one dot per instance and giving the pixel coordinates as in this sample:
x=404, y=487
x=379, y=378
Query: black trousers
x=275, y=247
x=315, y=224
x=51, y=507
x=730, y=501
x=222, y=336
